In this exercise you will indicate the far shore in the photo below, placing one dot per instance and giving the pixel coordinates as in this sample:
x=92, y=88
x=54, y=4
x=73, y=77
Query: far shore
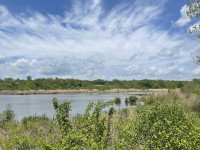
x=29, y=92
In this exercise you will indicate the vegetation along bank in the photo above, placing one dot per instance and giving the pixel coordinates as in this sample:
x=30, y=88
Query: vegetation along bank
x=169, y=120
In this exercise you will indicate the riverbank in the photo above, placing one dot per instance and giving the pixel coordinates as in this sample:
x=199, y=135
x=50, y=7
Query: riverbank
x=29, y=92
x=162, y=118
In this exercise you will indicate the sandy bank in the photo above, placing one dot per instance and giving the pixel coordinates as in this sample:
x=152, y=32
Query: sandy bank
x=16, y=92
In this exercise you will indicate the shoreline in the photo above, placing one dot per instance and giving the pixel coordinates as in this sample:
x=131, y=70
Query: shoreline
x=33, y=92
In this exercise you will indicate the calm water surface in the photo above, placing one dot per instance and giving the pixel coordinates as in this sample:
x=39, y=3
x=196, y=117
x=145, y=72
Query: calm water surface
x=25, y=105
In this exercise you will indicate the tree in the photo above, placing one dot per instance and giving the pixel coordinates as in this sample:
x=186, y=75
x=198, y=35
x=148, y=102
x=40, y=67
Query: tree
x=194, y=13
x=29, y=78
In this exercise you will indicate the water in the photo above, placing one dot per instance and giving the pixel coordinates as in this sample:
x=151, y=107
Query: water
x=25, y=105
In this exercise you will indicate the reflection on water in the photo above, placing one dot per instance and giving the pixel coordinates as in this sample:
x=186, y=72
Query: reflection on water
x=25, y=105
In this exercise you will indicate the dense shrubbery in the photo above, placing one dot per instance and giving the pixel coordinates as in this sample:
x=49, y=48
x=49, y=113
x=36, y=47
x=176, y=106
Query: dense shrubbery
x=7, y=116
x=88, y=131
x=165, y=121
x=52, y=84
x=159, y=126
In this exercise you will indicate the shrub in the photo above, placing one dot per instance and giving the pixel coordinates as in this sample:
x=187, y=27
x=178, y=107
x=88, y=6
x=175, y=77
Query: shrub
x=190, y=88
x=62, y=115
x=133, y=99
x=159, y=126
x=194, y=104
x=117, y=100
x=168, y=98
x=126, y=101
x=168, y=126
x=90, y=130
x=8, y=114
x=34, y=118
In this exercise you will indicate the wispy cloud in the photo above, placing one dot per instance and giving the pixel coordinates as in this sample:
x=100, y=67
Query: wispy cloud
x=89, y=43
x=2, y=58
x=184, y=19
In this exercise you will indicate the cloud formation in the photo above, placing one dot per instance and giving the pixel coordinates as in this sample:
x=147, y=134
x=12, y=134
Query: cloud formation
x=184, y=19
x=2, y=58
x=89, y=43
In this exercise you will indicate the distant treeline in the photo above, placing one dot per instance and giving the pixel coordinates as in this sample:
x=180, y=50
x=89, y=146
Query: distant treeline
x=57, y=83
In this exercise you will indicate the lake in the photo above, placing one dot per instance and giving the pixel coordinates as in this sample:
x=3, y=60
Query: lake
x=25, y=105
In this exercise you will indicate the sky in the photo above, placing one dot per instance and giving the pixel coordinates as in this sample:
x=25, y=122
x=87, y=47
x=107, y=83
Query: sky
x=97, y=39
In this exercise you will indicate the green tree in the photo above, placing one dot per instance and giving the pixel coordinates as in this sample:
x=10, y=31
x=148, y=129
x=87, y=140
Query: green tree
x=194, y=13
x=29, y=78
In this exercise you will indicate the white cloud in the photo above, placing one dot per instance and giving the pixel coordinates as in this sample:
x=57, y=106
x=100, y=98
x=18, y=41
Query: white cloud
x=3, y=12
x=184, y=19
x=152, y=68
x=88, y=43
x=196, y=71
x=2, y=58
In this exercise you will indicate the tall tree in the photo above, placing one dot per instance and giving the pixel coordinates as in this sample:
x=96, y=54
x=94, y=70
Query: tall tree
x=194, y=13
x=29, y=78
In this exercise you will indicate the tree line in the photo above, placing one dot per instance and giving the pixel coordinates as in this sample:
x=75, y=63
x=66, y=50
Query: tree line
x=100, y=84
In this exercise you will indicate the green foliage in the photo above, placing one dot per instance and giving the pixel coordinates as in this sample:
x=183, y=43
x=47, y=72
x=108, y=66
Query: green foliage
x=90, y=129
x=34, y=118
x=191, y=87
x=117, y=100
x=195, y=104
x=194, y=12
x=7, y=116
x=169, y=98
x=62, y=115
x=29, y=78
x=53, y=84
x=159, y=124
x=133, y=99
x=159, y=127
x=31, y=133
x=126, y=99
x=166, y=126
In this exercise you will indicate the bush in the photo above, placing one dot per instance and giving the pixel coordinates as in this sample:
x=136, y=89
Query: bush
x=194, y=104
x=133, y=99
x=7, y=116
x=168, y=98
x=34, y=118
x=167, y=126
x=159, y=126
x=117, y=100
x=91, y=131
x=126, y=100
x=190, y=88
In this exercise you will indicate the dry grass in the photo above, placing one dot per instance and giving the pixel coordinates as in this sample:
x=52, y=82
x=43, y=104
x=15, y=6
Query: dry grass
x=16, y=92
x=188, y=101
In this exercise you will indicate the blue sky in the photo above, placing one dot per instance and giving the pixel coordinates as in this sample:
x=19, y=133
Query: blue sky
x=91, y=39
